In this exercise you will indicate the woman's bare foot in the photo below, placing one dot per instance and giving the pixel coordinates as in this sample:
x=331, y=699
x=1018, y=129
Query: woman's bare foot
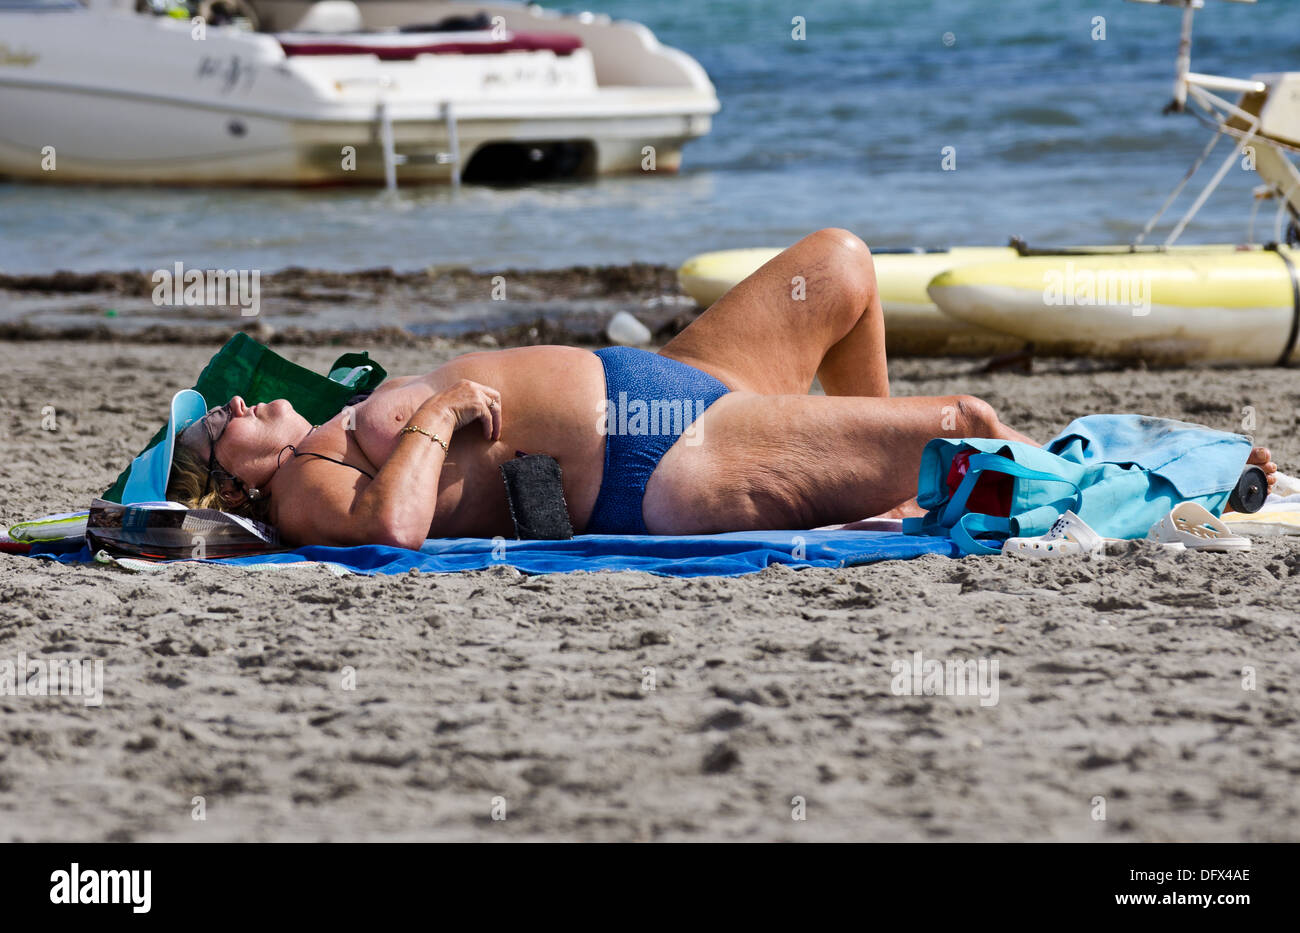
x=908, y=509
x=1262, y=457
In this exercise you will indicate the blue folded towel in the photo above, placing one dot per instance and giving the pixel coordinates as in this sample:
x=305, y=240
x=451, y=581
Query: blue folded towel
x=1197, y=460
x=725, y=555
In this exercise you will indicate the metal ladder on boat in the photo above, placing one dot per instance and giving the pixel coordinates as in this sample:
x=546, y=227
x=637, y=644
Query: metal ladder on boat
x=393, y=158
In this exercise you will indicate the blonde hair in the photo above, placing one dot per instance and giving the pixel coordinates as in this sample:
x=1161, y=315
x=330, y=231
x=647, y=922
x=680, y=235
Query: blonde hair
x=189, y=477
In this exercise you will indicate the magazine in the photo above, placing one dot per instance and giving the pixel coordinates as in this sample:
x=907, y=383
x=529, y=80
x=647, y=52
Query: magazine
x=170, y=531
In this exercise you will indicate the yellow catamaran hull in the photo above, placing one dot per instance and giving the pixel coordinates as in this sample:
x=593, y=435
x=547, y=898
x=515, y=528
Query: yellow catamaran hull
x=913, y=324
x=1217, y=305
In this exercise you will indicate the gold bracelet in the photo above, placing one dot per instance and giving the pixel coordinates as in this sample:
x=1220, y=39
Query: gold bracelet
x=412, y=429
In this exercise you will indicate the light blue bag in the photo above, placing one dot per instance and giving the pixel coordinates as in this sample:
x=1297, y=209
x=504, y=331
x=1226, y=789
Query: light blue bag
x=1119, y=473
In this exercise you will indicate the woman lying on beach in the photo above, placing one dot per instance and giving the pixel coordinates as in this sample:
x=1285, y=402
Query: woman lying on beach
x=421, y=456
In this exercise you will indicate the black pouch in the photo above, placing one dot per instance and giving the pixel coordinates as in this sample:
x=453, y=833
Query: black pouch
x=536, y=496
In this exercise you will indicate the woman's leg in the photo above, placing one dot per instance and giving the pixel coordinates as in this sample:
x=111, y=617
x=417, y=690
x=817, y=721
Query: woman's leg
x=798, y=461
x=812, y=311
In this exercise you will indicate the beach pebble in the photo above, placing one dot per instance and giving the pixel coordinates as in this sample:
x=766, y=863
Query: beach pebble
x=720, y=759
x=625, y=329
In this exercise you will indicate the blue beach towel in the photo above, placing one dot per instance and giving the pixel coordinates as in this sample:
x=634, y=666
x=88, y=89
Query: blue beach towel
x=726, y=555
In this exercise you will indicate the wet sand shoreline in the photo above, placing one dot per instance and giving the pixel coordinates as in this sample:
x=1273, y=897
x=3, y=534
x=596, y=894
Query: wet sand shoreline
x=377, y=307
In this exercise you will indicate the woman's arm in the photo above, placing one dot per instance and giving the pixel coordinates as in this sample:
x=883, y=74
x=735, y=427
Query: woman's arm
x=397, y=507
x=375, y=423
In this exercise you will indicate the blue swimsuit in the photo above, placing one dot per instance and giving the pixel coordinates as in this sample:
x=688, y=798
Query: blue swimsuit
x=651, y=400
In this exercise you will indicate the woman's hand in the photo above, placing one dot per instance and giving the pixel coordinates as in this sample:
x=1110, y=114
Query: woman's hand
x=466, y=402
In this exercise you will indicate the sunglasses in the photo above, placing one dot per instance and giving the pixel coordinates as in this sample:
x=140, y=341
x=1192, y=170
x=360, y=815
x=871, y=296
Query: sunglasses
x=214, y=424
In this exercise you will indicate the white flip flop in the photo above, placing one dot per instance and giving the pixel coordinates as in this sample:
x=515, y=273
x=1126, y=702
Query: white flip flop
x=1196, y=528
x=1069, y=536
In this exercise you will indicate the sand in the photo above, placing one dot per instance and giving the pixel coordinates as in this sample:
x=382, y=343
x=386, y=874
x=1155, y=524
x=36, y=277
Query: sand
x=482, y=694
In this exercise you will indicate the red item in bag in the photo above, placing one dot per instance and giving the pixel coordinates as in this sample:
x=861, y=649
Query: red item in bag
x=992, y=492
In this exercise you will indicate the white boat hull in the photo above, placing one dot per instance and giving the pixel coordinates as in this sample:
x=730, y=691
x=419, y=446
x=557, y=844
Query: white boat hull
x=196, y=145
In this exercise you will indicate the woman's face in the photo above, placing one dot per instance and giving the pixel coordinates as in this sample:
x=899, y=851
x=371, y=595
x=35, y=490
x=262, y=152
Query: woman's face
x=249, y=438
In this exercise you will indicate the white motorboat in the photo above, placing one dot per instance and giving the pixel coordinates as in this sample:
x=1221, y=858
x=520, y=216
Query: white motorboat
x=290, y=92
